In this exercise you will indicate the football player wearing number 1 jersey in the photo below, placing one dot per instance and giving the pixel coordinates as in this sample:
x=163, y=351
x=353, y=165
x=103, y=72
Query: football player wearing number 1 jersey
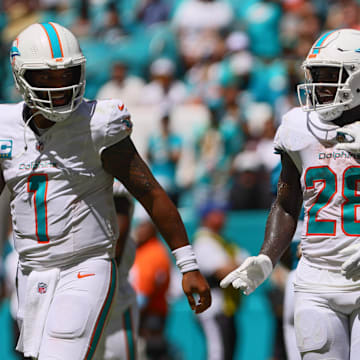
x=324, y=176
x=59, y=155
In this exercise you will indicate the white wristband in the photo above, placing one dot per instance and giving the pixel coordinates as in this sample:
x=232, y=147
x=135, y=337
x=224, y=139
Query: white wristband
x=185, y=259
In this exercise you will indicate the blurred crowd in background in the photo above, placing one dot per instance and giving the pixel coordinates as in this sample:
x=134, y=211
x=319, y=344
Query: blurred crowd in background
x=206, y=81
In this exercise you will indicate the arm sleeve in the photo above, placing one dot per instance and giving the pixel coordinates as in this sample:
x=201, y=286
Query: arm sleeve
x=278, y=140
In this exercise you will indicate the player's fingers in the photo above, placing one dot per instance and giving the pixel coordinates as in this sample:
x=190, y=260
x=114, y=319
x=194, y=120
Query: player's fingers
x=350, y=263
x=346, y=134
x=347, y=251
x=351, y=271
x=346, y=146
x=204, y=302
x=348, y=271
x=239, y=272
x=240, y=284
x=228, y=279
x=191, y=301
x=348, y=274
x=342, y=146
x=350, y=250
x=356, y=276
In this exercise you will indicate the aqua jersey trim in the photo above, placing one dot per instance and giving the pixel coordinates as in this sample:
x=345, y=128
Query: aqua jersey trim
x=128, y=326
x=104, y=312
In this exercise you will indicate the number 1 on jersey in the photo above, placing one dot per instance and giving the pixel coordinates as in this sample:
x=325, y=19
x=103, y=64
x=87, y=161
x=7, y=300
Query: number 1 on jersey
x=37, y=184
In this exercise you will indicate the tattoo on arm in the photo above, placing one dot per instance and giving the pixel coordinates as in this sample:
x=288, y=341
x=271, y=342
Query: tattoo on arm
x=124, y=162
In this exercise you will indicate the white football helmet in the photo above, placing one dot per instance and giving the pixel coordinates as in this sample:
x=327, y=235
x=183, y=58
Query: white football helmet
x=338, y=54
x=47, y=46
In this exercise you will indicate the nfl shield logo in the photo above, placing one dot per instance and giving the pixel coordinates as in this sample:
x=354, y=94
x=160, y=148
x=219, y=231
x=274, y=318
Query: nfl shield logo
x=39, y=146
x=42, y=288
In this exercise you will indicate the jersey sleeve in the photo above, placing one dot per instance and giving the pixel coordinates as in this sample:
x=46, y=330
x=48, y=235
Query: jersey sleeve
x=278, y=144
x=282, y=135
x=114, y=124
x=292, y=135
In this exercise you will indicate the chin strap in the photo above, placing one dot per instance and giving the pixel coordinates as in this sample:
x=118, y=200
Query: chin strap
x=25, y=139
x=322, y=131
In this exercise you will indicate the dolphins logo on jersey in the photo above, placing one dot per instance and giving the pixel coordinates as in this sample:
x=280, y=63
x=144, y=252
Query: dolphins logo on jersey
x=127, y=122
x=125, y=118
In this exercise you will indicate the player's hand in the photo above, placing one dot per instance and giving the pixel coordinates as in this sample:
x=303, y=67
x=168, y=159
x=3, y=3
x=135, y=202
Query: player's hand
x=351, y=267
x=250, y=274
x=194, y=283
x=348, y=138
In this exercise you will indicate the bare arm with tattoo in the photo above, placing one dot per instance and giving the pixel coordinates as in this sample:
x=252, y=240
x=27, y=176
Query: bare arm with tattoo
x=280, y=228
x=124, y=162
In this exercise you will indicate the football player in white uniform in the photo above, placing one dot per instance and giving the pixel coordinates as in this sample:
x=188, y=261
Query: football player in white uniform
x=326, y=179
x=59, y=155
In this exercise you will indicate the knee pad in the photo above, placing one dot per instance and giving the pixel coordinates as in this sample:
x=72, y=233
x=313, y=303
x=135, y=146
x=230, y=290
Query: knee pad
x=312, y=330
x=68, y=316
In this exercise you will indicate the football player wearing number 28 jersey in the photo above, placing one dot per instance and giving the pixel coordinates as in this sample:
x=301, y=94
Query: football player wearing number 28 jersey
x=319, y=148
x=59, y=155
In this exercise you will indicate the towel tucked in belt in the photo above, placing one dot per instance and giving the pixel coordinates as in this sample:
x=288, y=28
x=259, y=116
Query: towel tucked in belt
x=40, y=289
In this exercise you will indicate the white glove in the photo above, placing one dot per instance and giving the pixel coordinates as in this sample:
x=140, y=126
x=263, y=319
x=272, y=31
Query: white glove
x=348, y=138
x=351, y=267
x=250, y=274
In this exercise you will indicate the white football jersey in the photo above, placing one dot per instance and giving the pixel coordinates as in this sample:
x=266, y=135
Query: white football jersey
x=61, y=197
x=330, y=181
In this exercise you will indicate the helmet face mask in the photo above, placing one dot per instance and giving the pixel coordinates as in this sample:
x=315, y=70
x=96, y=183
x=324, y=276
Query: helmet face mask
x=325, y=81
x=49, y=70
x=53, y=92
x=323, y=87
x=332, y=75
